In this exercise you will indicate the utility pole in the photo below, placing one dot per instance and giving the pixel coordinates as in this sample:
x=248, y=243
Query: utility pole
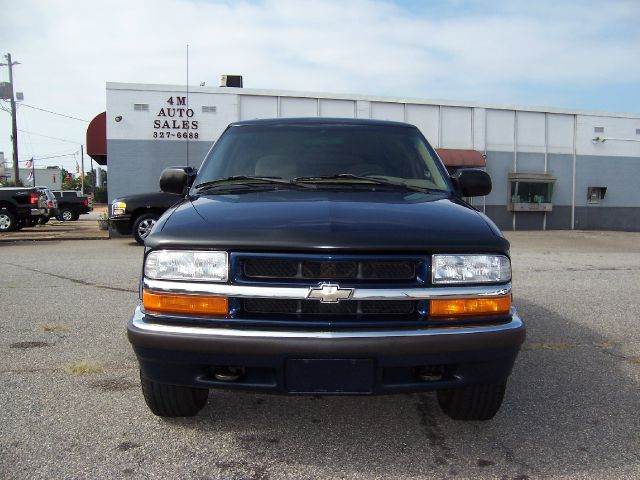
x=82, y=174
x=14, y=124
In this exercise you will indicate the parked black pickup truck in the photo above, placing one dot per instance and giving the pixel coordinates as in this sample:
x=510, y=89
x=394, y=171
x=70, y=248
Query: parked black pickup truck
x=20, y=206
x=320, y=256
x=139, y=213
x=71, y=204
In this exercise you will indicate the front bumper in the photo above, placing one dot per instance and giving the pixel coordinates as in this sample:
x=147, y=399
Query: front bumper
x=190, y=355
x=122, y=224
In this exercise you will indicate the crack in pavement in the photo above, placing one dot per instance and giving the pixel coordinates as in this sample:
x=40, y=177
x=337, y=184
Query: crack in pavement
x=584, y=269
x=86, y=283
x=60, y=369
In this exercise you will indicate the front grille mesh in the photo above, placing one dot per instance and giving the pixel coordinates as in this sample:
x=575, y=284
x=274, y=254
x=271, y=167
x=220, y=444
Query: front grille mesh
x=348, y=308
x=380, y=270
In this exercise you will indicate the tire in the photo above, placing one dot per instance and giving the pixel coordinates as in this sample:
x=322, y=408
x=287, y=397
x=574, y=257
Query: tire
x=476, y=402
x=166, y=400
x=7, y=221
x=67, y=215
x=29, y=222
x=143, y=225
x=42, y=220
x=20, y=224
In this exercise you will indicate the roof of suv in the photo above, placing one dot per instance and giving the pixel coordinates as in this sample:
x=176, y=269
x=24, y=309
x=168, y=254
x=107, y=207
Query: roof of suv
x=323, y=121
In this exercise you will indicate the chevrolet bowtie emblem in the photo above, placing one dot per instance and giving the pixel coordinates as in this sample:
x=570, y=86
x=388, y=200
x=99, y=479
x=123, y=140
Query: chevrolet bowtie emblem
x=328, y=293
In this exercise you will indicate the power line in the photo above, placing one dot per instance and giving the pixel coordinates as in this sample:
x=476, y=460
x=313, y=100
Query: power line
x=56, y=156
x=55, y=113
x=47, y=136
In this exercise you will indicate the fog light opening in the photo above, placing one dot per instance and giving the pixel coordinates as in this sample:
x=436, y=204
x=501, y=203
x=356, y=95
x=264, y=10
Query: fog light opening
x=227, y=374
x=430, y=373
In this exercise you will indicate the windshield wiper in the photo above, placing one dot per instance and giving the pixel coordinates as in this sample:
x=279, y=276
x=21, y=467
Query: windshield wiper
x=350, y=176
x=246, y=180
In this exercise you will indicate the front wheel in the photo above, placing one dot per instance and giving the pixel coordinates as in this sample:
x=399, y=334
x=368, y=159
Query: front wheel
x=143, y=225
x=166, y=400
x=476, y=402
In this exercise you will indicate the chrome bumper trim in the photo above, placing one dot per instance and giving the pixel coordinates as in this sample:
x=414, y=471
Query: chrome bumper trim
x=137, y=321
x=300, y=293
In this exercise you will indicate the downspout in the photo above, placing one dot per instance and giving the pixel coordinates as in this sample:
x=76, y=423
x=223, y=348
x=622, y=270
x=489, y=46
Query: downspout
x=484, y=199
x=573, y=181
x=515, y=158
x=546, y=160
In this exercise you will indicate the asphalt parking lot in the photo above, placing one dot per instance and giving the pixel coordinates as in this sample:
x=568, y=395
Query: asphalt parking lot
x=71, y=405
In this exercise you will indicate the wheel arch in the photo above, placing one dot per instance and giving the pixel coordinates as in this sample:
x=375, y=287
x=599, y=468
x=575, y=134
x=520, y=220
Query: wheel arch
x=143, y=210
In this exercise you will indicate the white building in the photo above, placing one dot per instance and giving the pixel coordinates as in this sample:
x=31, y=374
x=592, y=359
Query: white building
x=551, y=168
x=50, y=177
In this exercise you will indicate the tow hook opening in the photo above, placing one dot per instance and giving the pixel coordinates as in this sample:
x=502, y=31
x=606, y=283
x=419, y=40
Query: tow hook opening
x=227, y=373
x=430, y=373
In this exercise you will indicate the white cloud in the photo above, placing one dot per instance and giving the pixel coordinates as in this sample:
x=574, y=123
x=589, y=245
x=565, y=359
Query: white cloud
x=486, y=51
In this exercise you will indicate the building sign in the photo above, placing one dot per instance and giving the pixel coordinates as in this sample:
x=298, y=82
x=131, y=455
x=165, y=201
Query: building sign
x=175, y=120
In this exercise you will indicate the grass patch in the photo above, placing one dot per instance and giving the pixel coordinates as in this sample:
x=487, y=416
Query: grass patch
x=605, y=345
x=557, y=346
x=54, y=327
x=83, y=368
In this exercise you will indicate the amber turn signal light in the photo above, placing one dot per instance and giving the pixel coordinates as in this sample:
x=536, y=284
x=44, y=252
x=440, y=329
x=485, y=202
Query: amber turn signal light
x=464, y=307
x=188, y=305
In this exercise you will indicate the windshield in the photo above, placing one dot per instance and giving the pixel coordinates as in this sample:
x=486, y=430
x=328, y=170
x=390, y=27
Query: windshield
x=325, y=154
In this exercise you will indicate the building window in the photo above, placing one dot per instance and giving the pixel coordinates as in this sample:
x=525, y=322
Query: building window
x=530, y=192
x=141, y=107
x=598, y=129
x=595, y=195
x=209, y=109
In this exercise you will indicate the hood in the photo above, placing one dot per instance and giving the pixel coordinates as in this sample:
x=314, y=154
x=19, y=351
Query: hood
x=295, y=220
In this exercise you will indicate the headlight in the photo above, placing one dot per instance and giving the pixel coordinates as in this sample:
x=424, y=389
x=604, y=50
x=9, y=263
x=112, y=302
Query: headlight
x=118, y=208
x=470, y=269
x=187, y=265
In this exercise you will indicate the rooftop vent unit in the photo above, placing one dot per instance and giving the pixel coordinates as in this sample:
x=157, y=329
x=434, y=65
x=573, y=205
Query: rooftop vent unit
x=231, y=81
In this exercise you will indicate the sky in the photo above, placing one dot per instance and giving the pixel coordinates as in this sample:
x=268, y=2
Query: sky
x=565, y=54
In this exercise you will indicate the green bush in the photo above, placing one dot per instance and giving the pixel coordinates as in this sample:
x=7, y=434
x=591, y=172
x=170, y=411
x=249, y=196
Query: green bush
x=100, y=195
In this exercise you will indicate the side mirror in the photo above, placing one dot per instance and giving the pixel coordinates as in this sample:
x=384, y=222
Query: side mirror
x=472, y=182
x=177, y=179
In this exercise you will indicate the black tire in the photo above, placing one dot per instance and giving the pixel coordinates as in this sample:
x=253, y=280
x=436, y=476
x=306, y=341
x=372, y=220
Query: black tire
x=143, y=225
x=67, y=215
x=43, y=219
x=476, y=402
x=7, y=221
x=166, y=400
x=29, y=222
x=20, y=224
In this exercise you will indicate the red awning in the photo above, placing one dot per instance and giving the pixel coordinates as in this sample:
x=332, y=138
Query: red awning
x=457, y=158
x=97, y=138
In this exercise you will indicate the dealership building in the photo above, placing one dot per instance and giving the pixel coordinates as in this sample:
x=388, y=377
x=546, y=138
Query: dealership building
x=551, y=168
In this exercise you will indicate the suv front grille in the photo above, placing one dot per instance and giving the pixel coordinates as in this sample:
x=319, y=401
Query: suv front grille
x=344, y=270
